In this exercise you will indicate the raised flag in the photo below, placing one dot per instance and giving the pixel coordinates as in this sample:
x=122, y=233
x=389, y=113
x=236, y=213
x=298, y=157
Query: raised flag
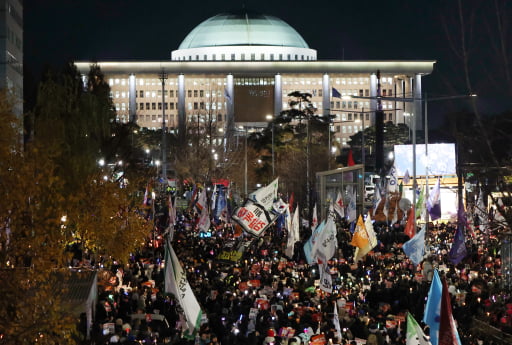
x=377, y=198
x=351, y=207
x=336, y=93
x=314, y=220
x=176, y=283
x=432, y=314
x=415, y=335
x=326, y=243
x=202, y=201
x=360, y=239
x=448, y=334
x=336, y=322
x=410, y=226
x=265, y=196
x=204, y=220
x=338, y=205
x=415, y=247
x=325, y=277
x=172, y=212
x=372, y=237
x=406, y=178
x=481, y=212
x=420, y=203
x=290, y=202
x=350, y=159
x=458, y=250
x=293, y=233
x=308, y=246
x=434, y=201
x=221, y=207
x=393, y=180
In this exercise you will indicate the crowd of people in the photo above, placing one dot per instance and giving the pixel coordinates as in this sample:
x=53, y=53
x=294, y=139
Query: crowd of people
x=259, y=296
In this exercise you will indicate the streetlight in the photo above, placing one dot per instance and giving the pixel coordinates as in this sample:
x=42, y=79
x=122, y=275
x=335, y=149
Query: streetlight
x=270, y=119
x=244, y=129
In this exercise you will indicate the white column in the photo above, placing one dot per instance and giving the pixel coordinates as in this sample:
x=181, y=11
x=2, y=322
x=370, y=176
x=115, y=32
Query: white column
x=182, y=115
x=326, y=93
x=229, y=95
x=417, y=102
x=278, y=94
x=373, y=95
x=132, y=102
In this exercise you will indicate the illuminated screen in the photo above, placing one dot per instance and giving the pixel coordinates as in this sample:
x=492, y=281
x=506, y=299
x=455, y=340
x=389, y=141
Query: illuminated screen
x=441, y=159
x=253, y=102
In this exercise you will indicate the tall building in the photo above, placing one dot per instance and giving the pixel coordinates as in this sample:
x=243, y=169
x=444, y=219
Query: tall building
x=237, y=68
x=11, y=49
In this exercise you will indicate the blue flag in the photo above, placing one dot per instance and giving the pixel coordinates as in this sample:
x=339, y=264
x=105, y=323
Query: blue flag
x=458, y=251
x=336, y=93
x=432, y=315
x=415, y=247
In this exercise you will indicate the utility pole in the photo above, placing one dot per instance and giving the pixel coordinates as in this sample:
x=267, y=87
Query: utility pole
x=163, y=77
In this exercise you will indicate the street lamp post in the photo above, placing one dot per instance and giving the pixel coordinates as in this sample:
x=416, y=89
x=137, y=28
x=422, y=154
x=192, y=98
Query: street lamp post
x=270, y=119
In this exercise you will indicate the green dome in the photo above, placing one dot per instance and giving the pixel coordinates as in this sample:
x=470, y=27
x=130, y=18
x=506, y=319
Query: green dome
x=243, y=29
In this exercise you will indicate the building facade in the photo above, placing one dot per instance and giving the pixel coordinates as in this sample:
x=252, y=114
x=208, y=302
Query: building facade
x=11, y=48
x=237, y=69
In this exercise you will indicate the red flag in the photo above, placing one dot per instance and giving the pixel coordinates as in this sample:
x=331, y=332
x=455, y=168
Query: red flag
x=447, y=331
x=290, y=203
x=350, y=159
x=410, y=227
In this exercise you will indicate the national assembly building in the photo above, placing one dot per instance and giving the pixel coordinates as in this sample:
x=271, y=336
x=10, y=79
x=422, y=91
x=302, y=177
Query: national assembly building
x=237, y=69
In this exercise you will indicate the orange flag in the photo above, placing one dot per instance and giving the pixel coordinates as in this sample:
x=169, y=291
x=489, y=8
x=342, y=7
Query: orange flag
x=360, y=238
x=410, y=227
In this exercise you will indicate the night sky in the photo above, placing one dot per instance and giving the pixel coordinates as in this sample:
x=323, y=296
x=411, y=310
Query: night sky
x=57, y=31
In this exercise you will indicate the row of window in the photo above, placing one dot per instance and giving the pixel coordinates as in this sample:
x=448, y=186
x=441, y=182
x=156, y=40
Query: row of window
x=172, y=106
x=172, y=118
x=243, y=57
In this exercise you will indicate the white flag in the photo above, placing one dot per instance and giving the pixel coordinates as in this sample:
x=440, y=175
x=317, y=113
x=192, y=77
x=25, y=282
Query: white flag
x=372, y=237
x=338, y=205
x=326, y=242
x=314, y=220
x=265, y=196
x=336, y=322
x=351, y=208
x=325, y=277
x=202, y=201
x=393, y=180
x=415, y=335
x=406, y=178
x=204, y=220
x=293, y=227
x=377, y=198
x=176, y=283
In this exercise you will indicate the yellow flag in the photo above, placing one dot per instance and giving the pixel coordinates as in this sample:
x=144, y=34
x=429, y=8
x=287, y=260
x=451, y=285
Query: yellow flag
x=360, y=238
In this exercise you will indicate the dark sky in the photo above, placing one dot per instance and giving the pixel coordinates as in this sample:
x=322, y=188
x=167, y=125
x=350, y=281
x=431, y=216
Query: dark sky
x=57, y=31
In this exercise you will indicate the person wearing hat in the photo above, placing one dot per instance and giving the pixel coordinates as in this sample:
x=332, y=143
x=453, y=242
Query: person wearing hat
x=270, y=338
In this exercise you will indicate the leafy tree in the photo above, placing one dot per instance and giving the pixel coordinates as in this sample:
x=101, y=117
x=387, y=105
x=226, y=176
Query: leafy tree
x=55, y=195
x=302, y=145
